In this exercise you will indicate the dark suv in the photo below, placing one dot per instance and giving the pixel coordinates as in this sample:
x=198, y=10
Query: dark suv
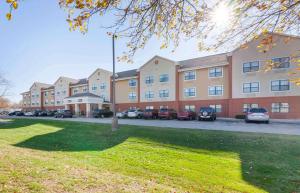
x=64, y=114
x=207, y=113
x=167, y=114
x=150, y=113
x=102, y=113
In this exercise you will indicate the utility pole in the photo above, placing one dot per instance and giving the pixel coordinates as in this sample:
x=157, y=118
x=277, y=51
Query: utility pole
x=114, y=119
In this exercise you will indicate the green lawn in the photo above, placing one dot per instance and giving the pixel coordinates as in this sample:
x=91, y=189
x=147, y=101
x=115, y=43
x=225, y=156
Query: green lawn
x=54, y=156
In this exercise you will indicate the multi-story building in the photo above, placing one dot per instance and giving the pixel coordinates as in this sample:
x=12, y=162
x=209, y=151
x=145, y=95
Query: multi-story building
x=230, y=82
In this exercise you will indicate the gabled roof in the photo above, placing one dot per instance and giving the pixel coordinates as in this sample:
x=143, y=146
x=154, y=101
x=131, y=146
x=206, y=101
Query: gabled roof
x=100, y=70
x=80, y=82
x=126, y=74
x=206, y=61
x=66, y=78
x=48, y=88
x=268, y=33
x=41, y=85
x=158, y=57
x=84, y=95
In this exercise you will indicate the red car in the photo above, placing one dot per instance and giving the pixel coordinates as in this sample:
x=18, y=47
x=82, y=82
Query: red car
x=186, y=115
x=167, y=114
x=150, y=114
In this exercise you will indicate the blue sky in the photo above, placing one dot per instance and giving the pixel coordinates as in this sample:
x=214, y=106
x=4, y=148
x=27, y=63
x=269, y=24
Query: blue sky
x=38, y=46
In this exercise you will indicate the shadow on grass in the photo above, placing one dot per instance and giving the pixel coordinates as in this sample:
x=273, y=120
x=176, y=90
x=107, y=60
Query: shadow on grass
x=270, y=162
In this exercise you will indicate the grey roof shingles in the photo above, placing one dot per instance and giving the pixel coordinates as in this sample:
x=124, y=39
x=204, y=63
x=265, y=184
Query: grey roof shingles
x=80, y=81
x=127, y=73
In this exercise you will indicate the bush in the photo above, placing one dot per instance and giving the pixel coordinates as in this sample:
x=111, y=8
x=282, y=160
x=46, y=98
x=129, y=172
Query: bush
x=240, y=116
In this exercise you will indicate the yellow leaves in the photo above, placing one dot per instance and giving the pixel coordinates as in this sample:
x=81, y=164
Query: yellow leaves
x=163, y=46
x=8, y=16
x=15, y=5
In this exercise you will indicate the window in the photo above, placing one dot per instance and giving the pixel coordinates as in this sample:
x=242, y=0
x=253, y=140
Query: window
x=94, y=87
x=250, y=66
x=46, y=93
x=280, y=107
x=190, y=108
x=163, y=107
x=149, y=107
x=64, y=92
x=216, y=72
x=215, y=90
x=251, y=87
x=52, y=102
x=280, y=85
x=149, y=95
x=58, y=102
x=69, y=101
x=149, y=80
x=75, y=91
x=132, y=95
x=102, y=86
x=46, y=102
x=246, y=107
x=190, y=92
x=85, y=90
x=79, y=100
x=58, y=93
x=164, y=78
x=164, y=93
x=132, y=82
x=190, y=75
x=281, y=62
x=218, y=108
x=52, y=93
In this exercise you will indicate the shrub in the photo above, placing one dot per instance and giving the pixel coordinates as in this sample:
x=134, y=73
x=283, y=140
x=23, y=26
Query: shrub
x=240, y=116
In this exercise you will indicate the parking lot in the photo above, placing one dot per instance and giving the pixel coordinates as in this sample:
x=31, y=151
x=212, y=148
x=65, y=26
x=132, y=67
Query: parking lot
x=291, y=127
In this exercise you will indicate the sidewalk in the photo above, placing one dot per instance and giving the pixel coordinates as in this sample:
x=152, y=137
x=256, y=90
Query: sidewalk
x=283, y=121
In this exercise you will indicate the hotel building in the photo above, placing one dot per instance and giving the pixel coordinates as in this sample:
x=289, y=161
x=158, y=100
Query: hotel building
x=229, y=82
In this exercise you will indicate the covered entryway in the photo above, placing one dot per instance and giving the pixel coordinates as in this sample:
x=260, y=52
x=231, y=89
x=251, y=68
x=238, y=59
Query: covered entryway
x=83, y=104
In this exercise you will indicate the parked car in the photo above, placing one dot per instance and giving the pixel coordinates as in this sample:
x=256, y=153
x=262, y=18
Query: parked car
x=19, y=113
x=150, y=114
x=42, y=114
x=28, y=114
x=186, y=115
x=64, y=114
x=13, y=113
x=207, y=113
x=167, y=114
x=122, y=115
x=102, y=113
x=4, y=113
x=51, y=113
x=36, y=113
x=135, y=113
x=257, y=115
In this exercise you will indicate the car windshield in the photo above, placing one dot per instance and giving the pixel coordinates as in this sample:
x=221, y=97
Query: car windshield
x=148, y=110
x=163, y=110
x=207, y=109
x=258, y=110
x=131, y=110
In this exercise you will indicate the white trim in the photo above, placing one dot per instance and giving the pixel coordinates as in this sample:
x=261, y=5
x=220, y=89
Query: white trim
x=126, y=78
x=190, y=79
x=280, y=69
x=250, y=83
x=79, y=85
x=214, y=77
x=279, y=91
x=251, y=72
x=216, y=86
x=189, y=96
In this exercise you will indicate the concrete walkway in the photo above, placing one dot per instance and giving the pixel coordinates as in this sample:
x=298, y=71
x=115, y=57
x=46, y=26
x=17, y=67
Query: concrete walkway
x=290, y=127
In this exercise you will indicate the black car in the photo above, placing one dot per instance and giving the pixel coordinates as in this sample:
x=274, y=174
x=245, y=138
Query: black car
x=36, y=113
x=51, y=113
x=102, y=113
x=13, y=113
x=42, y=114
x=207, y=113
x=19, y=113
x=64, y=114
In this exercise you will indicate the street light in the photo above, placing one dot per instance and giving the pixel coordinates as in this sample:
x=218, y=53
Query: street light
x=114, y=119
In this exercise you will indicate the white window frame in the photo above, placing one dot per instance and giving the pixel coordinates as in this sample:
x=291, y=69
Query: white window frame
x=250, y=66
x=132, y=96
x=186, y=72
x=280, y=107
x=188, y=107
x=214, y=106
x=151, y=77
x=163, y=92
x=166, y=76
x=102, y=86
x=249, y=106
x=279, y=85
x=251, y=87
x=276, y=68
x=219, y=67
x=149, y=93
x=185, y=89
x=131, y=81
x=222, y=86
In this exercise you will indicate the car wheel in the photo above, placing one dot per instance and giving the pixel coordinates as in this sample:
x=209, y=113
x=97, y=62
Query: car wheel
x=267, y=122
x=246, y=121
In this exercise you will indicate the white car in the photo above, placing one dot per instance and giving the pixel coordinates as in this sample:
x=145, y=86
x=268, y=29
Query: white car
x=122, y=114
x=135, y=114
x=257, y=115
x=29, y=114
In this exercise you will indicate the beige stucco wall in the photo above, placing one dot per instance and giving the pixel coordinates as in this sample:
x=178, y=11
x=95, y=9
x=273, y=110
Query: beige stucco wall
x=97, y=78
x=251, y=53
x=202, y=83
x=50, y=97
x=123, y=89
x=151, y=68
x=61, y=85
x=80, y=89
x=35, y=93
x=26, y=100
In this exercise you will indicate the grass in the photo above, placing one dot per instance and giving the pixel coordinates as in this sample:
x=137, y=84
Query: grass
x=53, y=156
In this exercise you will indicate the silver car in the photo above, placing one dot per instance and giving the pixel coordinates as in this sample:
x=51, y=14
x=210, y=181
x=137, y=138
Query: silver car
x=135, y=114
x=257, y=115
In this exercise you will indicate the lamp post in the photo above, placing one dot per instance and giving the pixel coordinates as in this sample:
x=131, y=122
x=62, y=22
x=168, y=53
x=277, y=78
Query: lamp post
x=114, y=119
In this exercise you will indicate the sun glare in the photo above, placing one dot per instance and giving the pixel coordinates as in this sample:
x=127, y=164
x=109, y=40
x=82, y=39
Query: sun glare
x=221, y=15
